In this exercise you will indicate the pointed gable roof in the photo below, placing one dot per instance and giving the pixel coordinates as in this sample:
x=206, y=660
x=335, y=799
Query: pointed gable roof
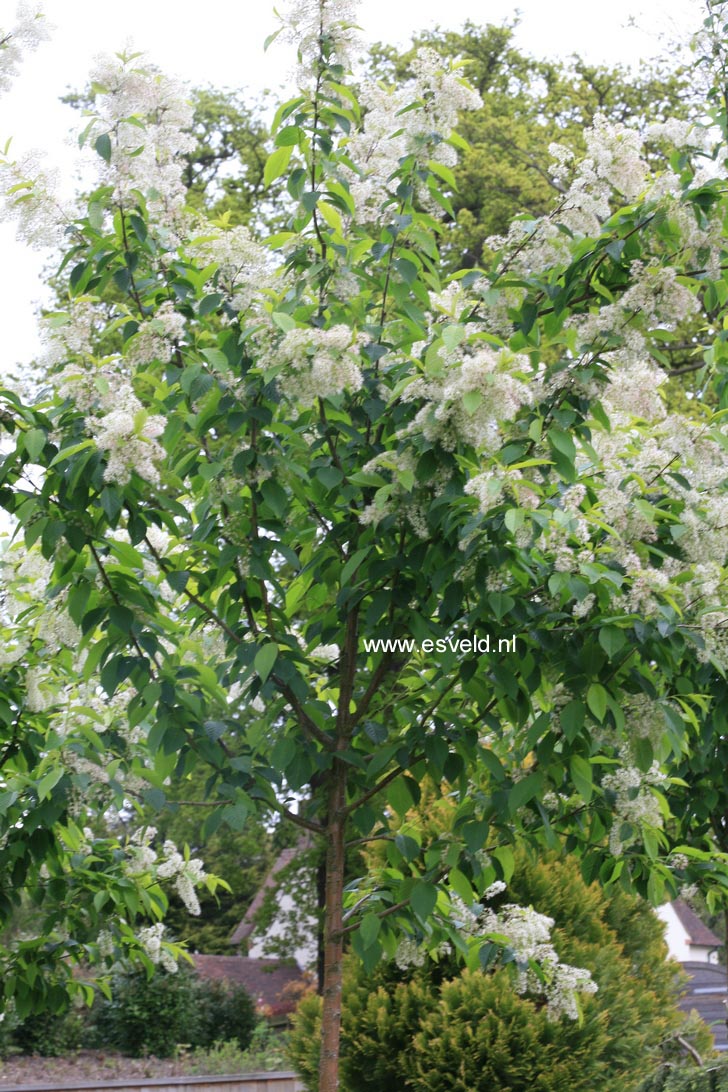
x=698, y=932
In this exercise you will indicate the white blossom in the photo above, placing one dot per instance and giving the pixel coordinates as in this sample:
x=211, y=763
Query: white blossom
x=26, y=35
x=317, y=363
x=307, y=22
x=148, y=119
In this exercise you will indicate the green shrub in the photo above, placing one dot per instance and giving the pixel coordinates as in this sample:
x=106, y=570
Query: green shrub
x=147, y=1016
x=49, y=1034
x=709, y=1078
x=436, y=1028
x=222, y=1014
x=156, y=1015
x=304, y=1044
x=266, y=1054
x=481, y=1036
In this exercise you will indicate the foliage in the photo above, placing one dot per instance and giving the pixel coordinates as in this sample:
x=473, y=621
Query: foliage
x=254, y=462
x=710, y=1078
x=48, y=1034
x=147, y=1016
x=266, y=1053
x=242, y=857
x=425, y=1029
x=223, y=1013
x=527, y=105
x=156, y=1015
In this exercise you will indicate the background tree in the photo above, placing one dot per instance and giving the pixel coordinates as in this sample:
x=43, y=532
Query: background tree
x=527, y=104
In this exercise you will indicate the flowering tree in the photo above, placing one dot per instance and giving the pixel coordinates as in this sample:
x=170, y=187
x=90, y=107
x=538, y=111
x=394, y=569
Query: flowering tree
x=309, y=513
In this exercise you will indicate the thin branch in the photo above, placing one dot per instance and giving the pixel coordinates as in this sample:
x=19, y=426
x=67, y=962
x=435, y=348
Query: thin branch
x=308, y=725
x=298, y=820
x=353, y=909
x=690, y=1049
x=683, y=369
x=379, y=672
x=167, y=568
x=382, y=836
x=132, y=284
x=110, y=588
x=380, y=785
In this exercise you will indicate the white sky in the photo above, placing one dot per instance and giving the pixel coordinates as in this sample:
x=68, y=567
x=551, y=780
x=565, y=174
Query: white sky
x=220, y=43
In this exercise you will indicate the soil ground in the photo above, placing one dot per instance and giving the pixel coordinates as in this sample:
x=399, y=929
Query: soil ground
x=88, y=1066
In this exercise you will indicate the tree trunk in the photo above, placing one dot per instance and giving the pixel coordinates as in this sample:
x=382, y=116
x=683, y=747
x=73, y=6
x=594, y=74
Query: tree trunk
x=725, y=935
x=333, y=938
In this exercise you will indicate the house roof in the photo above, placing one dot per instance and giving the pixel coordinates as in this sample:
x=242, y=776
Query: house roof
x=271, y=983
x=706, y=993
x=246, y=926
x=699, y=934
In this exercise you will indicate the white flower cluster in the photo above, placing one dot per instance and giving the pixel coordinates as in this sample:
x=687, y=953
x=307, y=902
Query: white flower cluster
x=391, y=131
x=26, y=35
x=471, y=401
x=151, y=940
x=68, y=335
x=186, y=874
x=528, y=935
x=318, y=363
x=128, y=435
x=529, y=938
x=613, y=169
x=496, y=481
x=142, y=858
x=308, y=23
x=28, y=191
x=157, y=337
x=409, y=953
x=243, y=267
x=326, y=653
x=635, y=805
x=148, y=119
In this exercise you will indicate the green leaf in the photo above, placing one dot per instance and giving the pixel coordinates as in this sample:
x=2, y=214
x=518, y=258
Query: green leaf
x=265, y=658
x=48, y=782
x=514, y=519
x=34, y=441
x=353, y=564
x=582, y=776
x=563, y=442
x=612, y=639
x=571, y=718
x=596, y=699
x=283, y=321
x=399, y=796
x=461, y=885
x=423, y=898
x=369, y=929
x=276, y=164
x=275, y=497
x=102, y=144
x=523, y=791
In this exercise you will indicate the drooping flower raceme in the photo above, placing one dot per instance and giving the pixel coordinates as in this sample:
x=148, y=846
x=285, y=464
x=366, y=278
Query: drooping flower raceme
x=27, y=33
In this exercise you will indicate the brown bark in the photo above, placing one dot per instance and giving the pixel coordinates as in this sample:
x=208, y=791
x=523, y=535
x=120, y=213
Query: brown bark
x=725, y=926
x=333, y=931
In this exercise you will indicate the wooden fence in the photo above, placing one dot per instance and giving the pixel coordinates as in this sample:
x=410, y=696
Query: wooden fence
x=248, y=1082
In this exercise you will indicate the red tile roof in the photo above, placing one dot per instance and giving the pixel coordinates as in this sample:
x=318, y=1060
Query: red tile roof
x=274, y=985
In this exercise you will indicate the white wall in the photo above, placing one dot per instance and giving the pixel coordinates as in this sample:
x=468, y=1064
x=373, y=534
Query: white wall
x=676, y=939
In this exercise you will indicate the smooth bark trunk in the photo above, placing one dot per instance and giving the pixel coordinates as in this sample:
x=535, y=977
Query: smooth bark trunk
x=333, y=932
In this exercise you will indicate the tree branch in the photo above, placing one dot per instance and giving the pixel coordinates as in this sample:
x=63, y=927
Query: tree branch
x=110, y=588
